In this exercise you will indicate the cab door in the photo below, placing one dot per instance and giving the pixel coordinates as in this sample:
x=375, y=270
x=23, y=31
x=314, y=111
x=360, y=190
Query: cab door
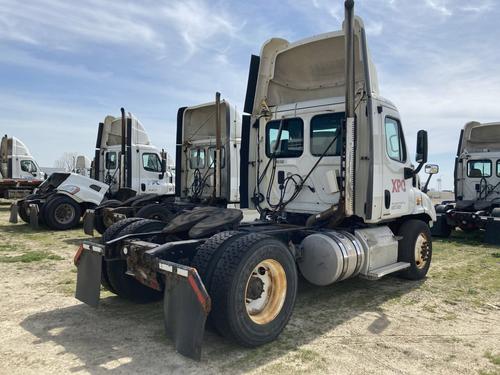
x=396, y=189
x=111, y=173
x=152, y=180
x=28, y=169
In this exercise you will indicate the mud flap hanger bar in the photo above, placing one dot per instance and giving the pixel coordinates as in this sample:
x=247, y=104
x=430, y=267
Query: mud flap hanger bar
x=186, y=306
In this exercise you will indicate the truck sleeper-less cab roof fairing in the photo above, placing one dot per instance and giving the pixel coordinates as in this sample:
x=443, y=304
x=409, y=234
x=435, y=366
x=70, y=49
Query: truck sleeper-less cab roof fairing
x=310, y=69
x=477, y=137
x=196, y=142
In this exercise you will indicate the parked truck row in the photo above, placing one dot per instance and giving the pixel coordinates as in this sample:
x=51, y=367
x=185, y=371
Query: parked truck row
x=319, y=156
x=126, y=165
x=323, y=162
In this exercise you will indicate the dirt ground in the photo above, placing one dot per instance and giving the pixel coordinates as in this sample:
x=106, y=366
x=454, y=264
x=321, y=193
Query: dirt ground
x=446, y=324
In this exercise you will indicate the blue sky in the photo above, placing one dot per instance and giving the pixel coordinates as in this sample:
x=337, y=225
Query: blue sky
x=64, y=66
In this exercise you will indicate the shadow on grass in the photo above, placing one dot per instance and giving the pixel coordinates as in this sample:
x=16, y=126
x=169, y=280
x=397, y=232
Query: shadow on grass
x=26, y=228
x=119, y=329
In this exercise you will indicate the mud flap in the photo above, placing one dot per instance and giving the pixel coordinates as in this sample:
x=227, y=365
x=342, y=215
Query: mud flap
x=14, y=209
x=492, y=231
x=441, y=226
x=186, y=305
x=88, y=222
x=88, y=280
x=34, y=212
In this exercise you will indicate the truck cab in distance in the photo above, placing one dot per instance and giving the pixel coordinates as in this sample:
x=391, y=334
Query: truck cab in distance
x=477, y=185
x=126, y=164
x=19, y=171
x=195, y=171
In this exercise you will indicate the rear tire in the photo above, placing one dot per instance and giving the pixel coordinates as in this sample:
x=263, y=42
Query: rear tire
x=415, y=248
x=62, y=213
x=155, y=211
x=124, y=285
x=108, y=235
x=208, y=254
x=254, y=287
x=99, y=225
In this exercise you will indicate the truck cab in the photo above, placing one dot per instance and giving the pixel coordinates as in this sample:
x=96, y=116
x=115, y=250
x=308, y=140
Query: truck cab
x=17, y=161
x=144, y=169
x=298, y=115
x=196, y=147
x=477, y=185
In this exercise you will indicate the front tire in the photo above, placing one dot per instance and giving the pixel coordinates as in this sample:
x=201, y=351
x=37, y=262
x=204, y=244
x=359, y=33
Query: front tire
x=61, y=213
x=254, y=287
x=415, y=248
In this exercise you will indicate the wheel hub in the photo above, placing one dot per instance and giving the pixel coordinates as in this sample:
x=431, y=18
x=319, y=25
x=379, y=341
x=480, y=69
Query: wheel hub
x=265, y=291
x=422, y=250
x=64, y=213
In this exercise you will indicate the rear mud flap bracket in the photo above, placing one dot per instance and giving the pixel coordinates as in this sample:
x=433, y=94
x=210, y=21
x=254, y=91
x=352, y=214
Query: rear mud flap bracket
x=88, y=222
x=34, y=212
x=88, y=281
x=14, y=209
x=186, y=305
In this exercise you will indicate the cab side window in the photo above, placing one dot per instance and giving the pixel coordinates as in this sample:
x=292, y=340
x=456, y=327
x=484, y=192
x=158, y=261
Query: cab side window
x=479, y=168
x=197, y=158
x=151, y=162
x=28, y=166
x=291, y=141
x=498, y=168
x=111, y=162
x=394, y=140
x=324, y=128
x=211, y=157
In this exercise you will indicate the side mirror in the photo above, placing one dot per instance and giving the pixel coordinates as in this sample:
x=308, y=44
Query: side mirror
x=421, y=155
x=432, y=169
x=163, y=165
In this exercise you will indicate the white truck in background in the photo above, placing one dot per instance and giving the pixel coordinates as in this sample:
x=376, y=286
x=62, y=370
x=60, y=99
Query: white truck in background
x=477, y=185
x=195, y=175
x=126, y=164
x=19, y=171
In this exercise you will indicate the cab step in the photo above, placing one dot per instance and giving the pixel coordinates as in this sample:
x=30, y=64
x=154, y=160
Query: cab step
x=386, y=270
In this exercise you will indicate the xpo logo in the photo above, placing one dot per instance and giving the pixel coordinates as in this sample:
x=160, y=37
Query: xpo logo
x=398, y=186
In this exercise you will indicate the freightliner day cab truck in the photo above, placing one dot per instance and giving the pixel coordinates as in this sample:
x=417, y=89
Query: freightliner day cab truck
x=126, y=164
x=477, y=185
x=324, y=161
x=19, y=171
x=195, y=173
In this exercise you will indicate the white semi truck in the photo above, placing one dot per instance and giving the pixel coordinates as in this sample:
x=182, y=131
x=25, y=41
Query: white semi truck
x=325, y=162
x=126, y=164
x=477, y=185
x=19, y=171
x=195, y=173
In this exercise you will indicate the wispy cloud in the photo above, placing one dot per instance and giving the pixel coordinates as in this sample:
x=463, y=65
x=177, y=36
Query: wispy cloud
x=439, y=6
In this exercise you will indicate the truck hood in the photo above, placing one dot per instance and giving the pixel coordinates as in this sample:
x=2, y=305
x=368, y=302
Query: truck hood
x=479, y=137
x=80, y=188
x=310, y=69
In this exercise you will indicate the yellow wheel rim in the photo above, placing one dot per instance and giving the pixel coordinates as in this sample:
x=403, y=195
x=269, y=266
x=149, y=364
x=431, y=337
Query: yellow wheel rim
x=265, y=291
x=421, y=251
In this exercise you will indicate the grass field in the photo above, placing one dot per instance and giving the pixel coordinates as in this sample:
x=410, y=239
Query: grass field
x=446, y=324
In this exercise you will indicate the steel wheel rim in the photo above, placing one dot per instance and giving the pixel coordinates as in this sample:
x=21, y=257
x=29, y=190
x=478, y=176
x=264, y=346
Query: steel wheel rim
x=64, y=213
x=265, y=291
x=421, y=251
